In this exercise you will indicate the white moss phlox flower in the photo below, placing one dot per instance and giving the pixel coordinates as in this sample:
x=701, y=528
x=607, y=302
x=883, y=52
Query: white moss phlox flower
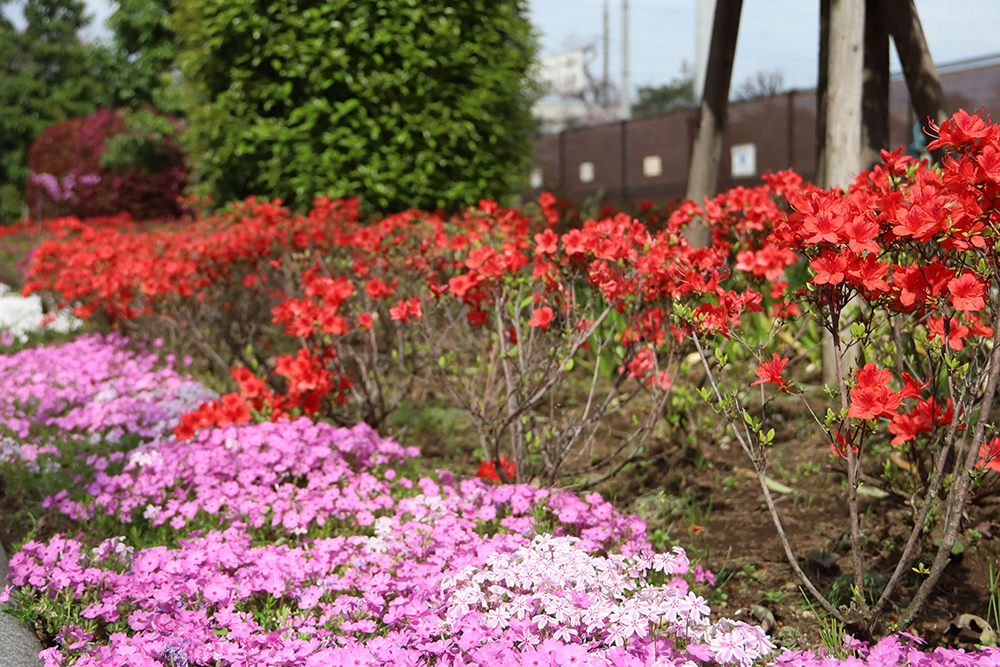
x=21, y=315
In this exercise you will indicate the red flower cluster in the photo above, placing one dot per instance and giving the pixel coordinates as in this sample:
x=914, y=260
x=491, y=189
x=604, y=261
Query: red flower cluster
x=308, y=384
x=871, y=397
x=904, y=240
x=488, y=469
x=126, y=274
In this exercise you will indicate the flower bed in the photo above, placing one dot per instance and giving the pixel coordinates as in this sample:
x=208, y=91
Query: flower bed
x=106, y=389
x=299, y=543
x=496, y=310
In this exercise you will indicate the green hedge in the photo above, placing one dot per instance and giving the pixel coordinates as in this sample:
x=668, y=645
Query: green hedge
x=407, y=103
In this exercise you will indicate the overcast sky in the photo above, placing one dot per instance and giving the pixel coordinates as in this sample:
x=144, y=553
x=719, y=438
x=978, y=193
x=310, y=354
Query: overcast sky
x=774, y=34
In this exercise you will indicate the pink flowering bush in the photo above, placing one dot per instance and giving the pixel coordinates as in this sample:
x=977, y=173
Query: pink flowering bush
x=290, y=475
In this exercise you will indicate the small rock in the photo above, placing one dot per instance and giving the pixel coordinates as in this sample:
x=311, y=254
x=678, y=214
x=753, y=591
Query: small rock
x=19, y=647
x=969, y=631
x=763, y=616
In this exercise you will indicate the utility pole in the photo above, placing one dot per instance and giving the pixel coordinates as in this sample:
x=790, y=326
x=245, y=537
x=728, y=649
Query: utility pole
x=607, y=46
x=626, y=86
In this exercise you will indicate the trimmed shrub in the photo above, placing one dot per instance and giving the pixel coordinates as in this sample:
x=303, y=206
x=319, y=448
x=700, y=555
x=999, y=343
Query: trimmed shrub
x=404, y=104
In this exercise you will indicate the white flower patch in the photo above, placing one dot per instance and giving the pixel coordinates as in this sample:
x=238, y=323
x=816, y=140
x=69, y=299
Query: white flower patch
x=144, y=458
x=21, y=315
x=603, y=601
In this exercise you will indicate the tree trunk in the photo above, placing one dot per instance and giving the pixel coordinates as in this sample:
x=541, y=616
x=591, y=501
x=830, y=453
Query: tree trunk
x=703, y=177
x=875, y=91
x=903, y=23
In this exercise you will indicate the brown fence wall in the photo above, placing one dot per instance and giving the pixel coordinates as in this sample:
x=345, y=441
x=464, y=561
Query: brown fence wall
x=782, y=128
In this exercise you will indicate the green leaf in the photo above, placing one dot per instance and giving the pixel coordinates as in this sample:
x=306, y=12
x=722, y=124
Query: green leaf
x=777, y=487
x=957, y=549
x=872, y=491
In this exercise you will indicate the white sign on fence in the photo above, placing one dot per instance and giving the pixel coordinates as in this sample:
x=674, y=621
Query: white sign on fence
x=744, y=160
x=586, y=172
x=652, y=166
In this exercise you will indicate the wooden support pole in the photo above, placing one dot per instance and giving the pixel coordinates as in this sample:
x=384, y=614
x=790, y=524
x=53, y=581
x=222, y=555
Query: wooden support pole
x=922, y=80
x=875, y=90
x=703, y=177
x=822, y=76
x=842, y=150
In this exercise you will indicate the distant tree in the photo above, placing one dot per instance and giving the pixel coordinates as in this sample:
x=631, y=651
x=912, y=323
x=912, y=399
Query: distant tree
x=677, y=95
x=145, y=48
x=761, y=84
x=47, y=75
x=403, y=103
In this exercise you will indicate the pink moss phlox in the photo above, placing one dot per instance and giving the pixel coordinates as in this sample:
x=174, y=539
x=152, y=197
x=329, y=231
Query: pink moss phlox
x=106, y=388
x=425, y=595
x=901, y=649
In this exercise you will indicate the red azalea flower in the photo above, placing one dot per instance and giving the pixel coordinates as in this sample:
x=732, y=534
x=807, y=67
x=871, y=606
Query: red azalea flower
x=541, y=317
x=546, y=243
x=871, y=397
x=462, y=284
x=404, y=310
x=967, y=292
x=839, y=448
x=989, y=455
x=770, y=372
x=956, y=334
x=477, y=318
x=488, y=471
x=377, y=289
x=829, y=268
